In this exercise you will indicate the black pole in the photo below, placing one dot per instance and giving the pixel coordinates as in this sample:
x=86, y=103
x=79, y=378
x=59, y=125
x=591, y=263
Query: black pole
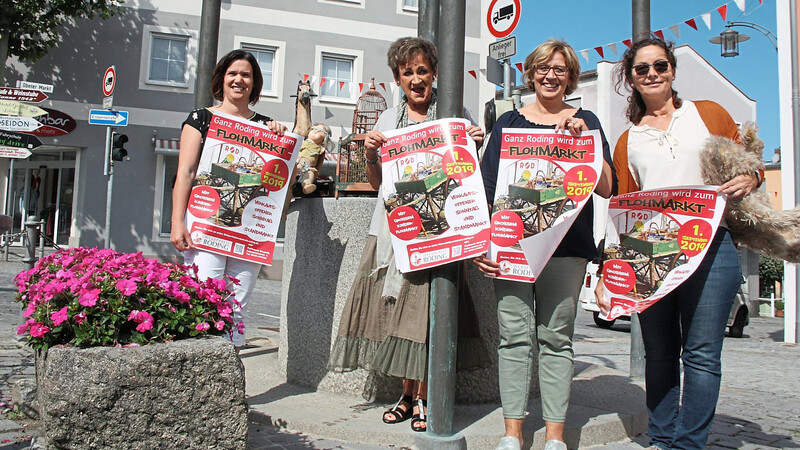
x=640, y=19
x=207, y=58
x=428, y=20
x=445, y=279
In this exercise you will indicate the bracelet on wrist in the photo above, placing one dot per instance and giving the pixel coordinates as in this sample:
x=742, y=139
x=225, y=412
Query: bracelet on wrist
x=372, y=162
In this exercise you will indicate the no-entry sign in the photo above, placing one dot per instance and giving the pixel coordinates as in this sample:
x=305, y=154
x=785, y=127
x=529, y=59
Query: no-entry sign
x=503, y=17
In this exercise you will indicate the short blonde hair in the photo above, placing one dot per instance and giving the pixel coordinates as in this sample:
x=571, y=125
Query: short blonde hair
x=544, y=52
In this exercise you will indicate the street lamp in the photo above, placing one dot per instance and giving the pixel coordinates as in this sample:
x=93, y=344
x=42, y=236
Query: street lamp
x=729, y=39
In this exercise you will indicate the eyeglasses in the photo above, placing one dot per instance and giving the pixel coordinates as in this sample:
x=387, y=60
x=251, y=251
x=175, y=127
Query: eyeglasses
x=643, y=69
x=560, y=71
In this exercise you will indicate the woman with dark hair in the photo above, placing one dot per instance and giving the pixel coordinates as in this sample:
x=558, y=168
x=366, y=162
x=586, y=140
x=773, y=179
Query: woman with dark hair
x=660, y=150
x=543, y=313
x=384, y=325
x=236, y=82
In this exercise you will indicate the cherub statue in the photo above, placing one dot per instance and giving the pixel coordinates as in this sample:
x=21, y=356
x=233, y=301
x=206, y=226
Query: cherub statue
x=312, y=154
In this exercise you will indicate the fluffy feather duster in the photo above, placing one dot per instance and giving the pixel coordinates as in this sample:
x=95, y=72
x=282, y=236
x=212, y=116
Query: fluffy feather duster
x=752, y=220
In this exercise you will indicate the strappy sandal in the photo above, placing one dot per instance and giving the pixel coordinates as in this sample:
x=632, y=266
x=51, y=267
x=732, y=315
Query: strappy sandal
x=398, y=414
x=421, y=418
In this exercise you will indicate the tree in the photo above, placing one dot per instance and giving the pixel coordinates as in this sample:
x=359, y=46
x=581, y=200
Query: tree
x=29, y=28
x=770, y=270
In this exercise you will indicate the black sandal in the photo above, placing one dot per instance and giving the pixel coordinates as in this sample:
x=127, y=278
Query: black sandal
x=398, y=414
x=421, y=418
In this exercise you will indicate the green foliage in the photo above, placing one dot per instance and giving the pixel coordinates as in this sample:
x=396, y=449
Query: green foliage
x=770, y=270
x=32, y=26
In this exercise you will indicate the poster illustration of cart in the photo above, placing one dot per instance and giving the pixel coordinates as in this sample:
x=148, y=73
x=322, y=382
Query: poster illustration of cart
x=433, y=192
x=238, y=195
x=544, y=180
x=655, y=240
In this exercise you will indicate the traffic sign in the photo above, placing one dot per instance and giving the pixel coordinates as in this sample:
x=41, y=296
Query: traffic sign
x=503, y=17
x=105, y=117
x=11, y=152
x=19, y=140
x=503, y=49
x=26, y=110
x=23, y=95
x=495, y=72
x=36, y=86
x=16, y=123
x=109, y=81
x=9, y=107
x=108, y=102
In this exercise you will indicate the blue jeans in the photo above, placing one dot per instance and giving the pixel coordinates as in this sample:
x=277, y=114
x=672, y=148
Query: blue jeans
x=689, y=325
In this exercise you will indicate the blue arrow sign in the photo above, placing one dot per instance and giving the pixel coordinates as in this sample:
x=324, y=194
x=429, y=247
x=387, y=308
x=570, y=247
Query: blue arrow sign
x=105, y=117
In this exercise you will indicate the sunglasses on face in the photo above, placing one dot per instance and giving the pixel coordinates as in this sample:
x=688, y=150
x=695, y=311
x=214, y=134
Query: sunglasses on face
x=560, y=71
x=643, y=69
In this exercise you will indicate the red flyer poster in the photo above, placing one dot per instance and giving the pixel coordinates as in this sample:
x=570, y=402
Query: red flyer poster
x=433, y=193
x=544, y=180
x=655, y=240
x=236, y=203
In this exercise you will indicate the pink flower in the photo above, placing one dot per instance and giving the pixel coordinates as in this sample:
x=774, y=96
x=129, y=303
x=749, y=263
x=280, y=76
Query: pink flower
x=219, y=325
x=89, y=298
x=59, y=317
x=80, y=317
x=38, y=330
x=203, y=326
x=126, y=287
x=225, y=310
x=30, y=309
x=240, y=327
x=145, y=326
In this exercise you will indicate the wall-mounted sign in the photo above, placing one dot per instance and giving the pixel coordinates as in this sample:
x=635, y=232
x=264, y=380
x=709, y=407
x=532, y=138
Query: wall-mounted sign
x=55, y=123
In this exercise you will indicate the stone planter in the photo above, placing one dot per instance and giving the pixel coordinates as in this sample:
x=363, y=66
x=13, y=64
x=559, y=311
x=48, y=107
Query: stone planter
x=187, y=394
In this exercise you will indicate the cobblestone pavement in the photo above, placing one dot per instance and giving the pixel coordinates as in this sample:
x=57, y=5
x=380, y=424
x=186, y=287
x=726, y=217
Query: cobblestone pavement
x=759, y=404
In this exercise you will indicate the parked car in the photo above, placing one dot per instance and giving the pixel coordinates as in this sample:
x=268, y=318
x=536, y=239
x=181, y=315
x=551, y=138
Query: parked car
x=737, y=319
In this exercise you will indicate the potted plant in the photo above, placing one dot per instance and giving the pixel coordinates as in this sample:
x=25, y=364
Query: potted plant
x=114, y=364
x=779, y=308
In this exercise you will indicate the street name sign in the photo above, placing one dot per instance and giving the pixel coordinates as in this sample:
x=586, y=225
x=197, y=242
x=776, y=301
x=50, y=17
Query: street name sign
x=105, y=117
x=23, y=95
x=16, y=123
x=35, y=86
x=12, y=152
x=9, y=107
x=504, y=49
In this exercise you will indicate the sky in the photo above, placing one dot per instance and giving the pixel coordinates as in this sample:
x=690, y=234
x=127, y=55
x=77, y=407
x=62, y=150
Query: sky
x=586, y=24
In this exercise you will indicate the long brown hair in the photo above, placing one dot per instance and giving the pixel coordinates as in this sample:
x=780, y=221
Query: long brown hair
x=624, y=74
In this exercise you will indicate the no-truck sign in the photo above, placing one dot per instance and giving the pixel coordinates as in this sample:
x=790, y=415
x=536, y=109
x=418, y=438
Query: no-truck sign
x=109, y=81
x=503, y=17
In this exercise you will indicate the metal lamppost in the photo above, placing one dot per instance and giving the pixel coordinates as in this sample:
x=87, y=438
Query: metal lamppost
x=730, y=38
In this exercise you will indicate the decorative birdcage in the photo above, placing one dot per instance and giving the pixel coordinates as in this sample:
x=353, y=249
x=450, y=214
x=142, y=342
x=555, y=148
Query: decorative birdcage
x=352, y=170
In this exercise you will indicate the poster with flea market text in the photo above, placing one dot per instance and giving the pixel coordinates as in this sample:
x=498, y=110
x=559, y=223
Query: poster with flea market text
x=238, y=195
x=433, y=193
x=655, y=240
x=544, y=180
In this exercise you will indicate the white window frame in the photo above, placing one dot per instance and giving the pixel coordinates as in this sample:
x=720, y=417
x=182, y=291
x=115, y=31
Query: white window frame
x=191, y=38
x=279, y=47
x=349, y=3
x=158, y=201
x=356, y=55
x=407, y=10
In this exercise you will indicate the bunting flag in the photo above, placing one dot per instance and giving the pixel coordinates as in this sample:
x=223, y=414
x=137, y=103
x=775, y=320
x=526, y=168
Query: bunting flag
x=599, y=51
x=585, y=54
x=660, y=34
x=482, y=71
x=383, y=86
x=341, y=85
x=723, y=11
x=322, y=82
x=707, y=19
x=305, y=77
x=691, y=23
x=741, y=4
x=360, y=87
x=675, y=30
x=519, y=67
x=473, y=73
x=613, y=47
x=628, y=43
